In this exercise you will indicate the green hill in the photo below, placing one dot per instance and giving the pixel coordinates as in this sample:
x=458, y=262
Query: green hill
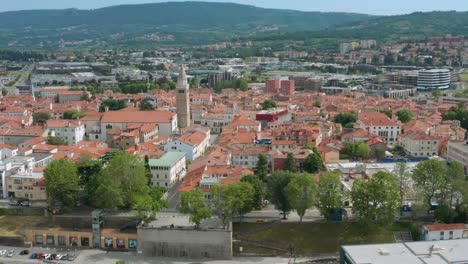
x=415, y=26
x=173, y=22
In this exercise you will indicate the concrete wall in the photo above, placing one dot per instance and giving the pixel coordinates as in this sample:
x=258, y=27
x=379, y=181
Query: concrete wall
x=189, y=243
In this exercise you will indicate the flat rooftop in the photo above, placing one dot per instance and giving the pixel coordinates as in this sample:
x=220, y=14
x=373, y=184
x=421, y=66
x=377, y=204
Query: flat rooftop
x=181, y=221
x=444, y=252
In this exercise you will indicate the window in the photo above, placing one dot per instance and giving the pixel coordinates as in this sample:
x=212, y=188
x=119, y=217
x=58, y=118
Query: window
x=73, y=241
x=85, y=241
x=442, y=235
x=61, y=241
x=50, y=240
x=451, y=235
x=108, y=243
x=132, y=243
x=120, y=243
x=39, y=240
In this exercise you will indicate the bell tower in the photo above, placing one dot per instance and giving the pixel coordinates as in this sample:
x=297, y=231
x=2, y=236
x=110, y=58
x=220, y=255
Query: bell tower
x=183, y=99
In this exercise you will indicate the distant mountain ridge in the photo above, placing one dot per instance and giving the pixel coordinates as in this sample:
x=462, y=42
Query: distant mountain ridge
x=177, y=22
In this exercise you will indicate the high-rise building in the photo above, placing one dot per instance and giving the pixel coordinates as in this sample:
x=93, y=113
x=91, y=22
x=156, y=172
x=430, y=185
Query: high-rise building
x=272, y=86
x=183, y=99
x=434, y=79
x=287, y=87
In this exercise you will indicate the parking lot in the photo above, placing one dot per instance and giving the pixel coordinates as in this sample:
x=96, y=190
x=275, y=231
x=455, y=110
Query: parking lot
x=37, y=255
x=103, y=257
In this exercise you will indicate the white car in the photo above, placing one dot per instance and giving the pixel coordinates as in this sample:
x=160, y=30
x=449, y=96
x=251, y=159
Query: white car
x=47, y=256
x=2, y=252
x=11, y=253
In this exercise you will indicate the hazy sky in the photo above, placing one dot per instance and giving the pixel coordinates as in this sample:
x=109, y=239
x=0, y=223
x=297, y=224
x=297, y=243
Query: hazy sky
x=377, y=7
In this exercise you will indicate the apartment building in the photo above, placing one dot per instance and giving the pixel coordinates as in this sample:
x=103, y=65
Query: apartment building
x=70, y=131
x=420, y=144
x=458, y=151
x=168, y=169
x=379, y=124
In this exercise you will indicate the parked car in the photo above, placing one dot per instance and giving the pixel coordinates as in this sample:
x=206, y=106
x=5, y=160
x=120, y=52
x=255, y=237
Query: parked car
x=40, y=255
x=11, y=253
x=53, y=256
x=3, y=252
x=24, y=252
x=47, y=256
x=13, y=203
x=33, y=256
x=25, y=203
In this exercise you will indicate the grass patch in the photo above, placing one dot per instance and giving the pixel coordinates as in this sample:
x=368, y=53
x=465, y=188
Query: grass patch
x=313, y=238
x=16, y=225
x=464, y=76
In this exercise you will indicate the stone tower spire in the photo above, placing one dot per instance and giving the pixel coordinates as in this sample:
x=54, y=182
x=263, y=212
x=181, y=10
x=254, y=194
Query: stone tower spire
x=183, y=99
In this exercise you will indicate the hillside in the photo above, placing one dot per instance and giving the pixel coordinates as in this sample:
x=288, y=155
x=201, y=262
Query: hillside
x=172, y=22
x=415, y=26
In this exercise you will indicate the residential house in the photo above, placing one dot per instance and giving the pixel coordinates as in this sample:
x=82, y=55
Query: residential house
x=70, y=131
x=168, y=169
x=444, y=232
x=193, y=145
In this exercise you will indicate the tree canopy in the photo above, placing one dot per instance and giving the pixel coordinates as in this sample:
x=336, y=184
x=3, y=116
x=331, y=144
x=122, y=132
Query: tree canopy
x=330, y=194
x=62, y=183
x=268, y=104
x=376, y=200
x=346, y=119
x=301, y=193
x=193, y=203
x=404, y=115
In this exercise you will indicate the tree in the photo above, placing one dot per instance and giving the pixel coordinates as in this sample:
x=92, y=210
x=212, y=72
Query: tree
x=430, y=177
x=346, y=119
x=276, y=185
x=112, y=104
x=231, y=200
x=268, y=104
x=62, y=182
x=404, y=115
x=380, y=153
x=193, y=203
x=301, y=193
x=195, y=82
x=87, y=168
x=455, y=185
x=148, y=204
x=262, y=167
x=330, y=194
x=436, y=93
x=313, y=163
x=4, y=91
x=123, y=177
x=146, y=105
x=51, y=140
x=362, y=150
x=243, y=85
x=40, y=118
x=460, y=113
x=73, y=114
x=290, y=163
x=376, y=200
x=260, y=191
x=402, y=174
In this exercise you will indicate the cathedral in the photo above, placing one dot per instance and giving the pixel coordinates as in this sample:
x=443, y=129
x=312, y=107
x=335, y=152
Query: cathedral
x=183, y=99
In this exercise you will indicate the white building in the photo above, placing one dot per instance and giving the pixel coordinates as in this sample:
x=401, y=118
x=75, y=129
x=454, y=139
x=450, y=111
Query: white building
x=8, y=166
x=420, y=145
x=193, y=145
x=168, y=169
x=444, y=232
x=70, y=131
x=458, y=151
x=379, y=124
x=434, y=79
x=7, y=151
